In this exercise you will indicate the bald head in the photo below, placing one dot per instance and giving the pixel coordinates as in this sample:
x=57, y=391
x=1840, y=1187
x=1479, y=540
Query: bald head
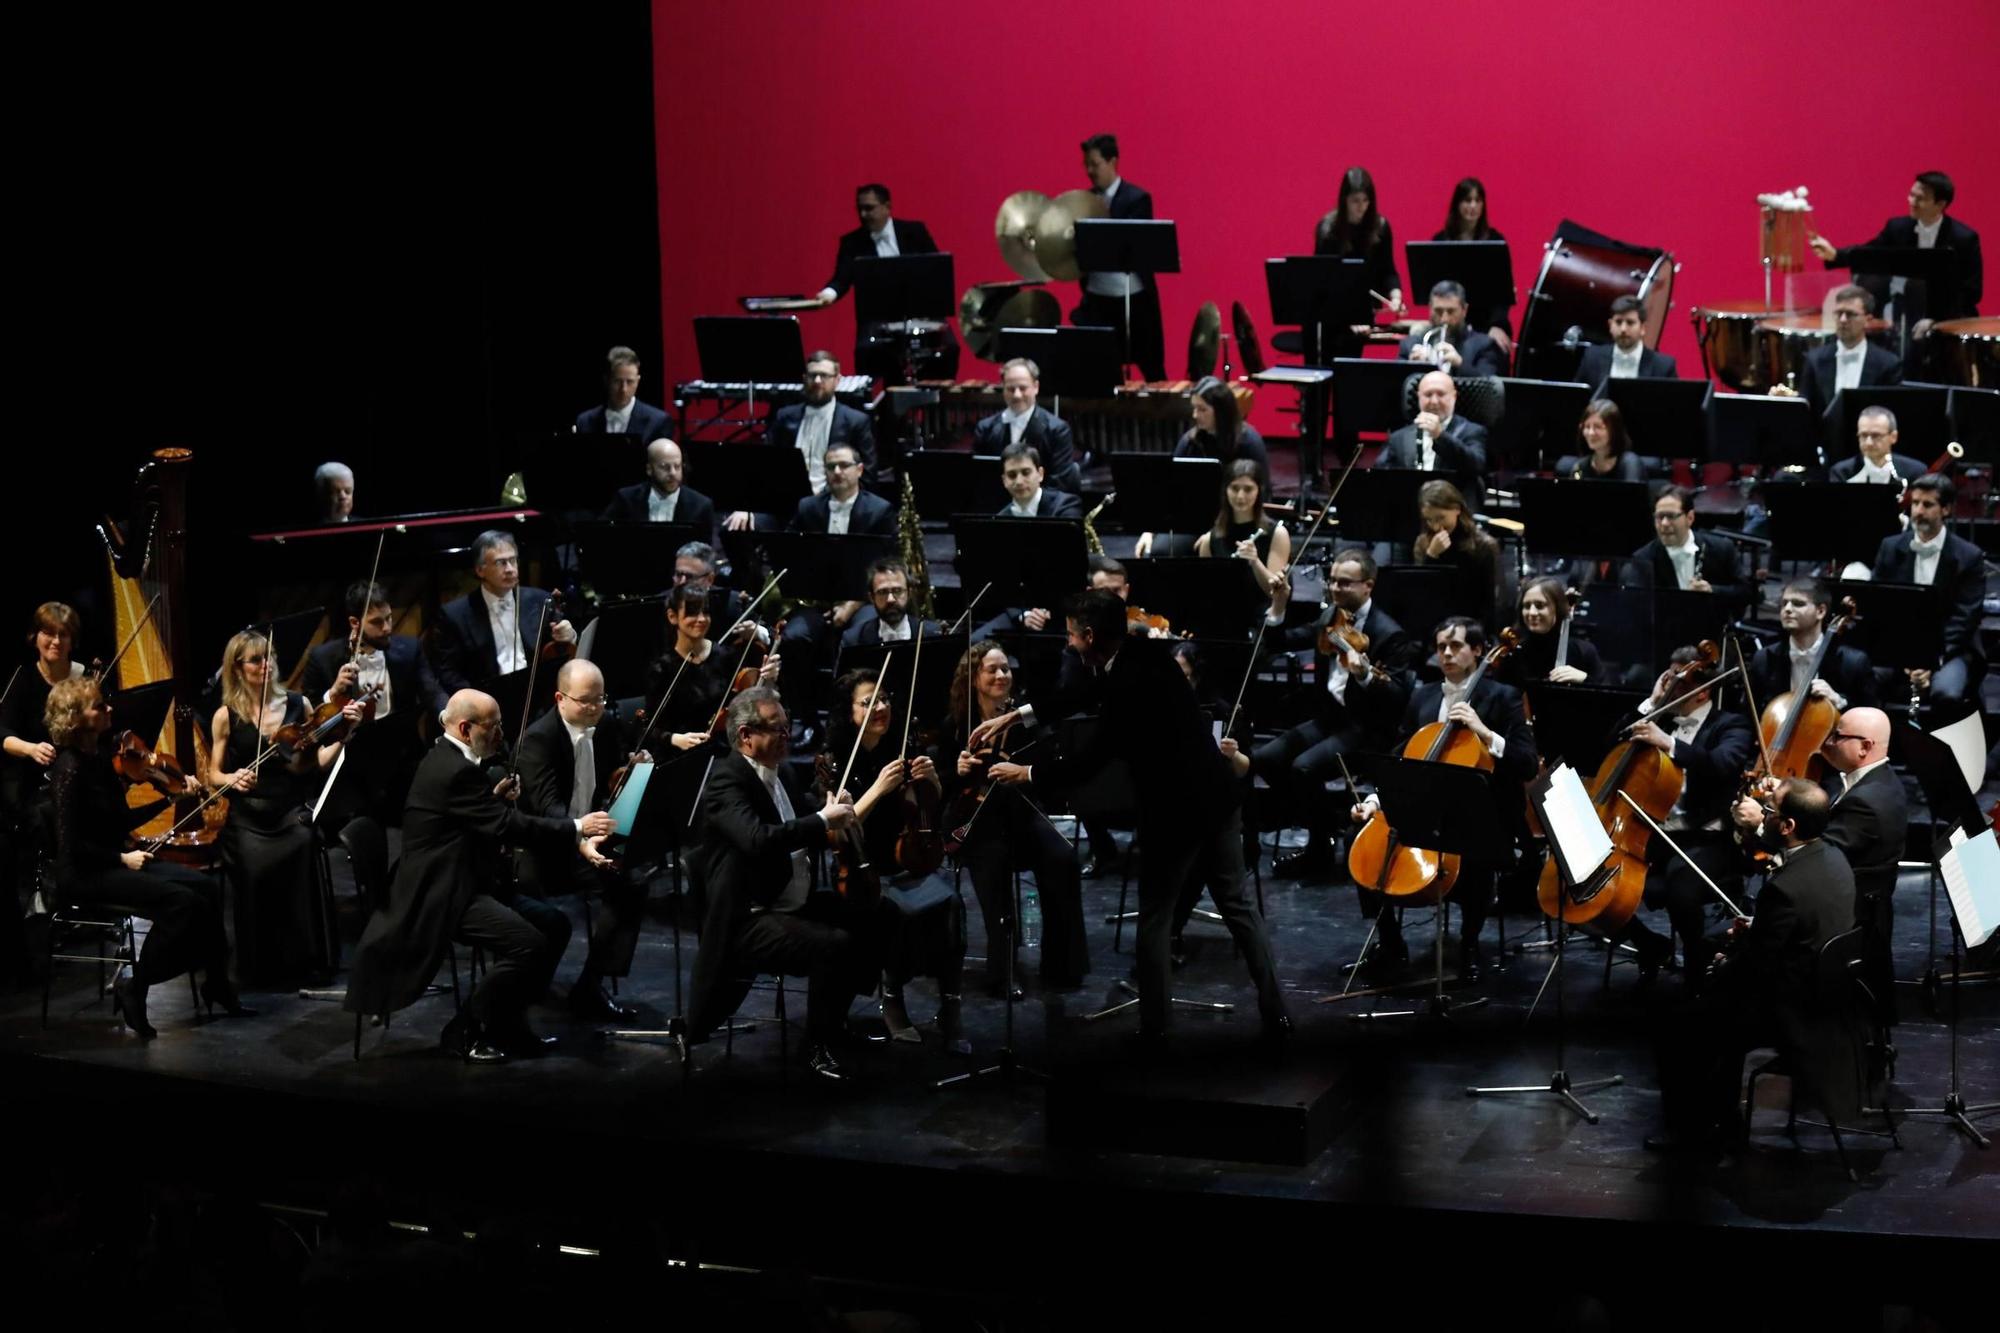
x=473, y=718
x=580, y=693
x=1436, y=393
x=663, y=466
x=1859, y=739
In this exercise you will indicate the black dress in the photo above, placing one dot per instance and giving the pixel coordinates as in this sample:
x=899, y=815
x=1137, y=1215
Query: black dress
x=699, y=691
x=1577, y=466
x=1475, y=567
x=1536, y=657
x=21, y=719
x=271, y=864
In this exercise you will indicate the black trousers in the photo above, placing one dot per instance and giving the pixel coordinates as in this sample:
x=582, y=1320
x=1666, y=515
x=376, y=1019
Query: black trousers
x=820, y=942
x=1700, y=1047
x=524, y=939
x=1673, y=887
x=1297, y=763
x=185, y=907
x=1875, y=913
x=1145, y=341
x=614, y=927
x=1010, y=835
x=1170, y=858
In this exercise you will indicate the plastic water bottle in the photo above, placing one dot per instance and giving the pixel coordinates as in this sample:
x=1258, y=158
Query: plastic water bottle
x=1031, y=918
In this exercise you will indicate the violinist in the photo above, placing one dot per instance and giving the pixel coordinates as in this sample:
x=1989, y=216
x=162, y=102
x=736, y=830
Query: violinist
x=1845, y=676
x=391, y=670
x=922, y=923
x=699, y=671
x=1955, y=572
x=1360, y=693
x=1711, y=746
x=270, y=858
x=1242, y=532
x=566, y=758
x=1542, y=616
x=1008, y=830
x=93, y=824
x=1451, y=539
x=696, y=562
x=1492, y=712
x=489, y=631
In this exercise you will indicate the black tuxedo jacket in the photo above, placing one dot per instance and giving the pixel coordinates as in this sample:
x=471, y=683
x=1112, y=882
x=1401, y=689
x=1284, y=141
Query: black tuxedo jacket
x=694, y=508
x=912, y=238
x=1499, y=707
x=1373, y=704
x=872, y=516
x=865, y=630
x=1652, y=567
x=1713, y=763
x=1958, y=300
x=1478, y=353
x=1050, y=435
x=462, y=650
x=1878, y=366
x=452, y=830
x=1808, y=901
x=850, y=426
x=1131, y=202
x=1595, y=368
x=1461, y=455
x=647, y=423
x=1846, y=668
x=1959, y=587
x=547, y=764
x=413, y=689
x=1051, y=504
x=1909, y=469
x=1868, y=823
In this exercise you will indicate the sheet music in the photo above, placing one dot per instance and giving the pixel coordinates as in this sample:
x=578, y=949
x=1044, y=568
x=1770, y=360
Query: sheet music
x=625, y=809
x=1967, y=739
x=1972, y=876
x=1575, y=832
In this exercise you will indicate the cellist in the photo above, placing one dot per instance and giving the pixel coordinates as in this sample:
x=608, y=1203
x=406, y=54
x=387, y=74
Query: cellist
x=1493, y=713
x=1711, y=746
x=1846, y=678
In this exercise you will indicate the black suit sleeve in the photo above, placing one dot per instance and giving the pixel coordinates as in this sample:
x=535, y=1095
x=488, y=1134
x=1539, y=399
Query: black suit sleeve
x=733, y=820
x=450, y=655
x=1510, y=721
x=472, y=806
x=880, y=520
x=319, y=674
x=1722, y=761
x=543, y=791
x=1061, y=504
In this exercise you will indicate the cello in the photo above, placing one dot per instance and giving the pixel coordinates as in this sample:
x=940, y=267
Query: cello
x=1378, y=859
x=1794, y=729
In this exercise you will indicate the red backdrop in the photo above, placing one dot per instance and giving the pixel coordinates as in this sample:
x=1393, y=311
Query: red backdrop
x=1656, y=124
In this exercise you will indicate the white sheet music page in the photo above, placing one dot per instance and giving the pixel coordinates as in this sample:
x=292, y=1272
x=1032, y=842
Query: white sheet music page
x=1971, y=870
x=1573, y=826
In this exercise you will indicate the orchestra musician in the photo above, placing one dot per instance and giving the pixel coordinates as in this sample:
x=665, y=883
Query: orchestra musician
x=1219, y=430
x=382, y=756
x=880, y=236
x=1189, y=800
x=1493, y=713
x=698, y=670
x=1763, y=989
x=1626, y=356
x=1926, y=227
x=1712, y=746
x=812, y=636
x=1241, y=530
x=1021, y=472
x=663, y=497
x=1875, y=458
x=622, y=413
x=1439, y=440
x=335, y=484
x=270, y=858
x=93, y=864
x=886, y=618
x=696, y=562
x=1010, y=831
x=1850, y=361
x=922, y=923
x=1540, y=611
x=1105, y=294
x=1450, y=343
x=757, y=860
x=1356, y=229
x=1954, y=570
x=1353, y=708
x=1679, y=556
x=1452, y=540
x=812, y=426
x=443, y=890
x=25, y=755
x=1466, y=219
x=567, y=757
x=486, y=633
x=1025, y=421
x=1845, y=678
x=1607, y=447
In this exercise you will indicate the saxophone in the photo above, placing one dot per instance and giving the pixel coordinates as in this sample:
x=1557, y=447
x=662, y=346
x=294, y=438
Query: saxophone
x=1091, y=541
x=910, y=533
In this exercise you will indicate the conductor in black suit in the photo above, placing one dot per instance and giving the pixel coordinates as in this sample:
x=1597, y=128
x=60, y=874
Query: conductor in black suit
x=622, y=412
x=1021, y=472
x=452, y=833
x=487, y=632
x=567, y=757
x=1626, y=356
x=756, y=865
x=880, y=236
x=1024, y=421
x=663, y=497
x=1450, y=343
x=1680, y=557
x=1190, y=802
x=1955, y=572
x=1104, y=294
x=1439, y=440
x=1926, y=227
x=383, y=753
x=1876, y=460
x=1850, y=361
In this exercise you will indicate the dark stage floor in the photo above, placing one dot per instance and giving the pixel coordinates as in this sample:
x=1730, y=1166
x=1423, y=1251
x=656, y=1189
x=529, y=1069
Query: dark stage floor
x=278, y=1099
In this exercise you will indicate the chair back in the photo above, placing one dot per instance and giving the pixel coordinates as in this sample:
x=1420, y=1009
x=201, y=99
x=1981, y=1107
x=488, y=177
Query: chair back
x=1482, y=399
x=367, y=848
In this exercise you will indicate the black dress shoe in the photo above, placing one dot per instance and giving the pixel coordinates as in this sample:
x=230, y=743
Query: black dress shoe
x=1387, y=953
x=128, y=1001
x=822, y=1065
x=1314, y=859
x=1654, y=953
x=592, y=1002
x=219, y=992
x=520, y=1039
x=1471, y=963
x=483, y=1052
x=1088, y=869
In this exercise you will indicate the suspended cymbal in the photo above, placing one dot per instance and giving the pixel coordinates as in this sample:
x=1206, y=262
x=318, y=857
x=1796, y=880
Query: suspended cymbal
x=1083, y=204
x=1055, y=232
x=1203, y=340
x=984, y=311
x=1014, y=229
x=1247, y=345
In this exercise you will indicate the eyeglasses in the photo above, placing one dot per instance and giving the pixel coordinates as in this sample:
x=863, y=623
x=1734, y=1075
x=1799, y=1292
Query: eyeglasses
x=1346, y=583
x=589, y=701
x=1839, y=736
x=1850, y=314
x=822, y=375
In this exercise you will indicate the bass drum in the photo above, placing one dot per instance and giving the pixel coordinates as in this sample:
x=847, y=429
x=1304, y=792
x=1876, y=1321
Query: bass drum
x=1784, y=341
x=1727, y=332
x=1575, y=288
x=1968, y=351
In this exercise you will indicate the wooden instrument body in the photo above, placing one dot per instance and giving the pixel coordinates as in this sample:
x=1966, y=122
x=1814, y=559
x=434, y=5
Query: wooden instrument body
x=1654, y=781
x=1378, y=859
x=1793, y=733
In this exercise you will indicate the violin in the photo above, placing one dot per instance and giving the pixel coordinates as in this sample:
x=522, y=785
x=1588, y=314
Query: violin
x=554, y=651
x=971, y=798
x=327, y=723
x=854, y=878
x=1792, y=731
x=1378, y=859
x=1649, y=778
x=1339, y=636
x=136, y=763
x=195, y=838
x=1137, y=617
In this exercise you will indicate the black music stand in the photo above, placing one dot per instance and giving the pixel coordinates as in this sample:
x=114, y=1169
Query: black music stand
x=1029, y=561
x=1214, y=598
x=1380, y=505
x=143, y=709
x=948, y=482
x=1830, y=520
x=1080, y=360
x=1483, y=268
x=823, y=566
x=1148, y=246
x=903, y=287
x=749, y=350
x=1621, y=625
x=1439, y=808
x=935, y=669
x=1975, y=423
x=631, y=558
x=1681, y=617
x=1172, y=494
x=1368, y=394
x=758, y=478
x=626, y=637
x=1417, y=596
x=1923, y=418
x=576, y=474
x=1667, y=418
x=1595, y=518
x=1321, y=294
x=1913, y=266
x=1899, y=625
x=1578, y=724
x=1768, y=433
x=1539, y=425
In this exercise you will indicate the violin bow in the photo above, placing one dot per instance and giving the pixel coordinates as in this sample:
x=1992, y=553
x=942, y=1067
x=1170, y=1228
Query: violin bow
x=854, y=752
x=1750, y=699
x=910, y=705
x=534, y=665
x=354, y=639
x=969, y=608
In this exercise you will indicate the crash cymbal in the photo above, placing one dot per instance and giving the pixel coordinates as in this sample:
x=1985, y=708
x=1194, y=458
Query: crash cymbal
x=1055, y=231
x=1247, y=345
x=1014, y=229
x=984, y=311
x=1203, y=340
x=1083, y=204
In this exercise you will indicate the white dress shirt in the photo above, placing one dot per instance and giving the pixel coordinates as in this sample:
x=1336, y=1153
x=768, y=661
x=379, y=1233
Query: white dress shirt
x=1017, y=425
x=660, y=508
x=1927, y=557
x=373, y=667
x=1452, y=694
x=800, y=888
x=616, y=419
x=1868, y=472
x=583, y=777
x=838, y=512
x=1847, y=362
x=1683, y=731
x=1337, y=675
x=885, y=241
x=503, y=614
x=1027, y=510
x=815, y=430
x=1113, y=284
x=1802, y=676
x=1847, y=780
x=1624, y=364
x=887, y=633
x=1927, y=239
x=1683, y=557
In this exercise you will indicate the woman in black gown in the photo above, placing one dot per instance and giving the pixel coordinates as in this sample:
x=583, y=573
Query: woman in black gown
x=25, y=756
x=1540, y=613
x=1243, y=532
x=1356, y=229
x=1465, y=219
x=688, y=685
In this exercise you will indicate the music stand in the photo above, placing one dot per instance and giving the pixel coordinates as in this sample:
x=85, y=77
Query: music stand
x=625, y=639
x=749, y=350
x=1175, y=494
x=1975, y=423
x=1667, y=418
x=1899, y=624
x=824, y=566
x=1083, y=360
x=1214, y=598
x=1540, y=423
x=1830, y=520
x=1577, y=724
x=1683, y=617
x=948, y=482
x=1769, y=433
x=143, y=709
x=757, y=478
x=1621, y=624
x=1913, y=266
x=1483, y=268
x=903, y=287
x=1923, y=418
x=1380, y=505
x=1417, y=596
x=1368, y=393
x=1150, y=246
x=1029, y=561
x=1595, y=518
x=1319, y=293
x=631, y=558
x=941, y=656
x=569, y=473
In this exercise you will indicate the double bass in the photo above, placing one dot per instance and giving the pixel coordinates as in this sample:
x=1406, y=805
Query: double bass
x=1378, y=859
